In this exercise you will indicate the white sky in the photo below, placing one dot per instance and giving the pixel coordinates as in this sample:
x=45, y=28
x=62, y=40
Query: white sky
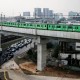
x=15, y=7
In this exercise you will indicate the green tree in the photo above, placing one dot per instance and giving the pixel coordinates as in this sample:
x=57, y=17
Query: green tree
x=32, y=55
x=56, y=51
x=49, y=45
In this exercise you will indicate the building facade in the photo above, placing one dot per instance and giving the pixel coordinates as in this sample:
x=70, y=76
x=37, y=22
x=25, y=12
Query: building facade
x=58, y=16
x=26, y=14
x=37, y=13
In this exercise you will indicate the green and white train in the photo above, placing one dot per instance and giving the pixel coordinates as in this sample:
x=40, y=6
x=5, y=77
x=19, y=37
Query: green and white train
x=43, y=26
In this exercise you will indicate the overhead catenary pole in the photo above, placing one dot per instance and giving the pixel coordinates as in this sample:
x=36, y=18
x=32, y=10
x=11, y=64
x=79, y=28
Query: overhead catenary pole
x=35, y=23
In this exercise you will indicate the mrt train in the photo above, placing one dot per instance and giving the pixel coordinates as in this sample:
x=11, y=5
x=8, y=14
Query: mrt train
x=43, y=26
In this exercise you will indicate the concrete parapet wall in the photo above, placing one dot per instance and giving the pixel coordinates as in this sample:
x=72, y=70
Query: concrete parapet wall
x=61, y=34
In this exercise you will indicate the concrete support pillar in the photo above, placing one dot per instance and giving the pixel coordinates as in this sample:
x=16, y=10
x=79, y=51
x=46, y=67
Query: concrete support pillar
x=41, y=54
x=32, y=44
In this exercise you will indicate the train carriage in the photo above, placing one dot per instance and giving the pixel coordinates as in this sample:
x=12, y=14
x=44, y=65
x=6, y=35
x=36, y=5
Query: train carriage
x=26, y=25
x=76, y=28
x=31, y=25
x=58, y=27
x=64, y=27
x=50, y=26
x=10, y=24
x=43, y=26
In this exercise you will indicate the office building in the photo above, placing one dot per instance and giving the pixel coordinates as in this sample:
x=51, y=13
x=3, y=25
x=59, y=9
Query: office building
x=58, y=16
x=26, y=14
x=37, y=13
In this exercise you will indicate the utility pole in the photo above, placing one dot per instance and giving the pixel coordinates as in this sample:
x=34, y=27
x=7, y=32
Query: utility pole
x=0, y=34
x=4, y=18
x=35, y=23
x=20, y=17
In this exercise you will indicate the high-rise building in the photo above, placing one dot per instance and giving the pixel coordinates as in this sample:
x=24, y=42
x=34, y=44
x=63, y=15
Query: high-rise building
x=50, y=14
x=26, y=14
x=58, y=16
x=47, y=13
x=37, y=13
x=72, y=14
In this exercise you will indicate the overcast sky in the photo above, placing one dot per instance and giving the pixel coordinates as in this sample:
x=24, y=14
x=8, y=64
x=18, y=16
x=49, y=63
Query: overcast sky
x=15, y=7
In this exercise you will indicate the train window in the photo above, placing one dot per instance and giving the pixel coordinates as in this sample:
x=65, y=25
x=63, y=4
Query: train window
x=15, y=23
x=64, y=26
x=53, y=26
x=38, y=25
x=70, y=27
x=27, y=24
x=58, y=26
x=30, y=24
x=76, y=27
x=48, y=25
x=12, y=23
x=24, y=24
x=21, y=24
x=41, y=25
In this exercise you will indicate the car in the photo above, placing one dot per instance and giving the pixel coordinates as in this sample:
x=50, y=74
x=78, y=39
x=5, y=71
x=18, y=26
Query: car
x=22, y=41
x=26, y=42
x=21, y=45
x=29, y=40
x=13, y=49
x=8, y=49
x=15, y=45
x=0, y=53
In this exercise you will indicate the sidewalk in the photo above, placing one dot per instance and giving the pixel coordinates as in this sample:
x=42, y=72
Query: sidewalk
x=14, y=72
x=36, y=77
x=17, y=75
